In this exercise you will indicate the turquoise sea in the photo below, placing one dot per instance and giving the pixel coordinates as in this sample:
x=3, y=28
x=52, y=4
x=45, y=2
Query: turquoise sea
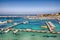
x=29, y=36
x=34, y=24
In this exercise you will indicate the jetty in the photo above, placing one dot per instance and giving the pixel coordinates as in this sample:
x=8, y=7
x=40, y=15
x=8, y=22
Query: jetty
x=14, y=24
x=50, y=26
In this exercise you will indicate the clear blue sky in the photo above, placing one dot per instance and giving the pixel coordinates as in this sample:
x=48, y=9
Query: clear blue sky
x=26, y=6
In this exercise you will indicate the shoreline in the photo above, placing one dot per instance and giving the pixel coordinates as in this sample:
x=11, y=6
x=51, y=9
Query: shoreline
x=36, y=17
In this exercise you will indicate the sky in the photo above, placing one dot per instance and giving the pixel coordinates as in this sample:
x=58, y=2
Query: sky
x=29, y=6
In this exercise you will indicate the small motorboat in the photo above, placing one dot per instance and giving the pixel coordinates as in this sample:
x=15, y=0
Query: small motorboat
x=59, y=22
x=25, y=22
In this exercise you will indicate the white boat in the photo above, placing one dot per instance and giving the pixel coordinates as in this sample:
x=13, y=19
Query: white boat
x=7, y=30
x=59, y=22
x=25, y=22
x=4, y=22
x=51, y=24
x=15, y=31
x=15, y=23
x=1, y=30
x=28, y=29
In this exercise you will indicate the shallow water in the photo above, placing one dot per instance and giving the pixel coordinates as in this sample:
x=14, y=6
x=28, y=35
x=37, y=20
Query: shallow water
x=28, y=36
x=33, y=24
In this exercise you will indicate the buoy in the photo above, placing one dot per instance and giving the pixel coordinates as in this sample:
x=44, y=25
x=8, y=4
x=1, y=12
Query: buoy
x=43, y=27
x=10, y=21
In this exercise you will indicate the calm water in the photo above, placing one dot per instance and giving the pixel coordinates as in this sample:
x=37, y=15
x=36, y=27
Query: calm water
x=33, y=24
x=28, y=36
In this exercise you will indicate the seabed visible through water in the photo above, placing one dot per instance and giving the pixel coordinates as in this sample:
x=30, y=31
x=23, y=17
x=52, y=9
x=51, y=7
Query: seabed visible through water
x=32, y=24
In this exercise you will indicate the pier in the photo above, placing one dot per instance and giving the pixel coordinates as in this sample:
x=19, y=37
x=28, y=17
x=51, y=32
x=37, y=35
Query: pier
x=58, y=19
x=14, y=24
x=50, y=26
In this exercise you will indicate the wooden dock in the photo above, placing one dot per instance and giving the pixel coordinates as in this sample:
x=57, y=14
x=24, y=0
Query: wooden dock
x=51, y=28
